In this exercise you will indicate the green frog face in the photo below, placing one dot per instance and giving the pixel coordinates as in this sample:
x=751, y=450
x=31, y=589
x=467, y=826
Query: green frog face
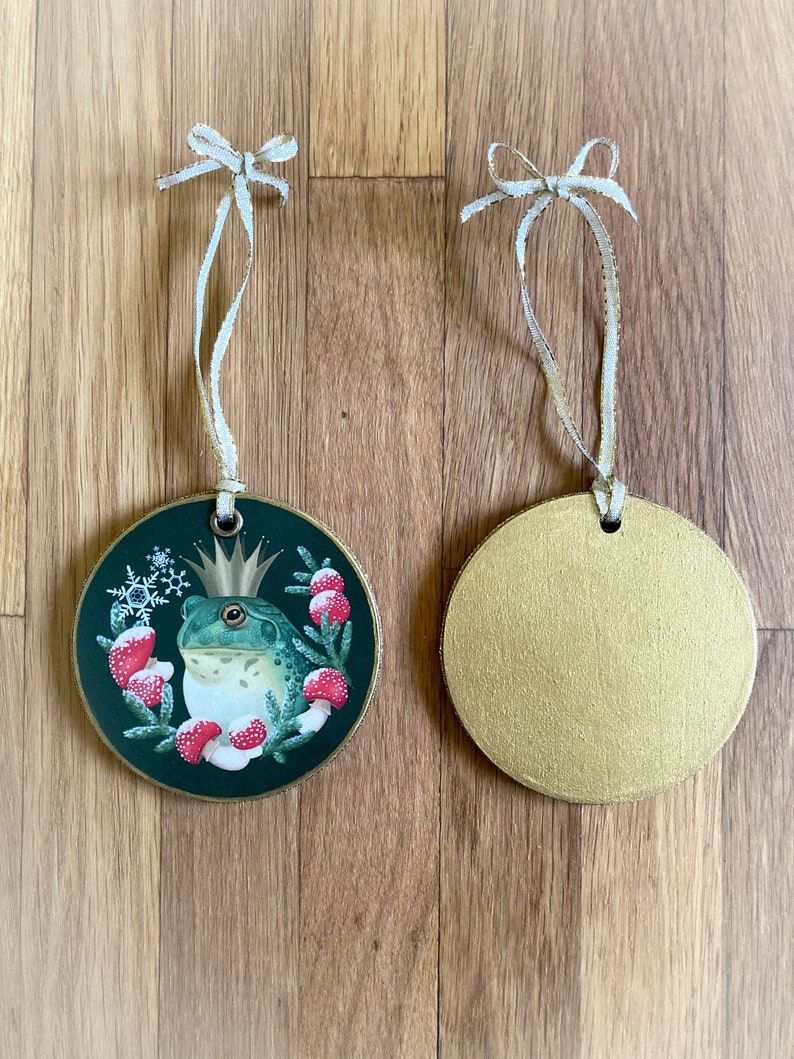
x=234, y=650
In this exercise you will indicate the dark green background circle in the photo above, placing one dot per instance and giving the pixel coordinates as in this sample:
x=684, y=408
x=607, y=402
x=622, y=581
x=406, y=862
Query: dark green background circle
x=180, y=526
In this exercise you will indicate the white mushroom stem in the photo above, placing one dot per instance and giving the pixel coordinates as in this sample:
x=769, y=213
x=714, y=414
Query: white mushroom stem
x=163, y=669
x=315, y=717
x=228, y=758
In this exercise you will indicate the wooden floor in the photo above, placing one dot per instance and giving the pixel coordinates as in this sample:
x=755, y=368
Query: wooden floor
x=410, y=901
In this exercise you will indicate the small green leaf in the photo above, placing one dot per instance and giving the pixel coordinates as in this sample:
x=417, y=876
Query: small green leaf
x=344, y=644
x=140, y=709
x=298, y=590
x=326, y=563
x=167, y=744
x=298, y=740
x=104, y=643
x=146, y=732
x=272, y=708
x=308, y=558
x=308, y=652
x=311, y=632
x=117, y=622
x=167, y=705
x=278, y=756
x=303, y=576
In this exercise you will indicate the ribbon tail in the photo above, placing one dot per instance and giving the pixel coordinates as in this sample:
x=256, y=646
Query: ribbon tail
x=201, y=287
x=190, y=171
x=279, y=183
x=481, y=204
x=278, y=149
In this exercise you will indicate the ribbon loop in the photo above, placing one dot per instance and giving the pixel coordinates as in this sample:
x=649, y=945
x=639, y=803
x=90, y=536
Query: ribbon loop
x=574, y=186
x=244, y=168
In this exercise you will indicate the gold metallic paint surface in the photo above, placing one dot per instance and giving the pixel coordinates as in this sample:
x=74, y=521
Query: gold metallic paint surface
x=599, y=667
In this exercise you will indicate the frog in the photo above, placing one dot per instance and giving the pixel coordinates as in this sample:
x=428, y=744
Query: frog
x=235, y=649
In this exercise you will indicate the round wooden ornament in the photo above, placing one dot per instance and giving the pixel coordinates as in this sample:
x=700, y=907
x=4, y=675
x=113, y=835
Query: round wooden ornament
x=597, y=647
x=226, y=646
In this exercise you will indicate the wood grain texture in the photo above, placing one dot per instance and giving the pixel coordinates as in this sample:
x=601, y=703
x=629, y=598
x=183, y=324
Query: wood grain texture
x=91, y=834
x=377, y=75
x=669, y=129
x=17, y=61
x=12, y=678
x=492, y=375
x=759, y=348
x=652, y=872
x=758, y=789
x=509, y=971
x=369, y=906
x=409, y=901
x=229, y=879
x=651, y=915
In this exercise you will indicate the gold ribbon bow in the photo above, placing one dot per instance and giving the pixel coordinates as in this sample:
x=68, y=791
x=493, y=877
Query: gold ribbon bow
x=574, y=186
x=244, y=167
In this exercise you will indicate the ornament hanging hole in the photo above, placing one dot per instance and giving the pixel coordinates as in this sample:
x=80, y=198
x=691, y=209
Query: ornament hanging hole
x=228, y=528
x=609, y=527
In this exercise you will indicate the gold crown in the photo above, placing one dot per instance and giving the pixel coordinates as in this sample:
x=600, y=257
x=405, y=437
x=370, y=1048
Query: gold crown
x=233, y=575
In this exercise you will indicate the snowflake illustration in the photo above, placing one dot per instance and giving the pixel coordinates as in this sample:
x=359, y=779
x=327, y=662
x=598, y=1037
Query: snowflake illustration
x=174, y=582
x=138, y=596
x=160, y=559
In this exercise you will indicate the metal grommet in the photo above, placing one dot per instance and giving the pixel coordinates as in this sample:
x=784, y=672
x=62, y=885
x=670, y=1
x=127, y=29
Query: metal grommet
x=226, y=529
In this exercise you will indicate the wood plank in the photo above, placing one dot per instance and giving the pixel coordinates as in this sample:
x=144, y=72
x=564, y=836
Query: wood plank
x=12, y=676
x=377, y=100
x=758, y=789
x=652, y=872
x=91, y=836
x=229, y=884
x=369, y=838
x=504, y=445
x=509, y=955
x=651, y=924
x=759, y=259
x=17, y=61
x=670, y=385
x=510, y=912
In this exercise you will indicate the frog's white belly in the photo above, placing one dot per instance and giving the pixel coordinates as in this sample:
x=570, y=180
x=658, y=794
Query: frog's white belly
x=222, y=685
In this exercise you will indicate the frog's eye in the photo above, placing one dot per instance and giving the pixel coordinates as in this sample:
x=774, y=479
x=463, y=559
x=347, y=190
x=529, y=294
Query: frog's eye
x=234, y=615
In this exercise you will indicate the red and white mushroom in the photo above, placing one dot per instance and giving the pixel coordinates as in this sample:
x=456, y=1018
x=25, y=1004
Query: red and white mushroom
x=130, y=661
x=325, y=685
x=326, y=580
x=248, y=733
x=322, y=689
x=130, y=652
x=197, y=739
x=148, y=686
x=334, y=604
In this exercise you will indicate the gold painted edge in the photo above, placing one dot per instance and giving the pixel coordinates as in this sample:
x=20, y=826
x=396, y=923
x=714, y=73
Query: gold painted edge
x=651, y=792
x=368, y=592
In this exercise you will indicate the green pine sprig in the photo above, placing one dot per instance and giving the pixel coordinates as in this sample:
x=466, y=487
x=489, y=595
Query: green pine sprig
x=330, y=644
x=284, y=733
x=117, y=623
x=154, y=723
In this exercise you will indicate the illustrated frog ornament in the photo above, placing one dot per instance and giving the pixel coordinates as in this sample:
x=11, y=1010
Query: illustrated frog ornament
x=237, y=647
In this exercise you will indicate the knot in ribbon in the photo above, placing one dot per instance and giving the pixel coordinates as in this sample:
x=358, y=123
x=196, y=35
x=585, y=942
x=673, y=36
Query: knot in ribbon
x=245, y=168
x=574, y=186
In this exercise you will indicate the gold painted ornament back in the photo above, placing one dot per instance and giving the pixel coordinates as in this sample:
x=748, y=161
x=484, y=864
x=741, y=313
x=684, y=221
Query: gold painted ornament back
x=593, y=666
